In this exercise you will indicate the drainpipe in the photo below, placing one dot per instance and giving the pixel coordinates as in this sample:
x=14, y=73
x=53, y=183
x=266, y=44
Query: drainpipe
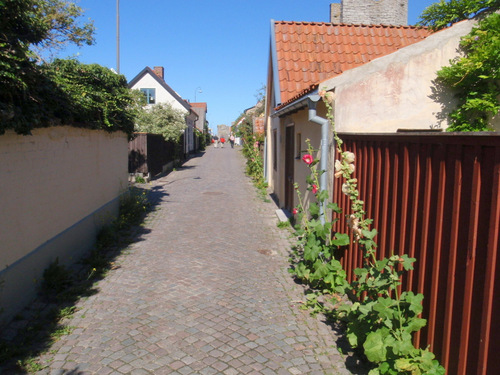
x=325, y=126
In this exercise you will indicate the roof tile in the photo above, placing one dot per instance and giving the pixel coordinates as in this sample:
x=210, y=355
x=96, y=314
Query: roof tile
x=309, y=52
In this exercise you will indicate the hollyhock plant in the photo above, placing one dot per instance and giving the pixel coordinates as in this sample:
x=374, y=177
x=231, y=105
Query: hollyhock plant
x=314, y=188
x=295, y=211
x=308, y=159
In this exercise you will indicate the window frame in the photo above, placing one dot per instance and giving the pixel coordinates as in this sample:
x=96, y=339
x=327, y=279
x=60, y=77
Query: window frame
x=150, y=94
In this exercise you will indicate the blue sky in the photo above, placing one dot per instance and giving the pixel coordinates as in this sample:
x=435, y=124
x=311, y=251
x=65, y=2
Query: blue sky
x=218, y=46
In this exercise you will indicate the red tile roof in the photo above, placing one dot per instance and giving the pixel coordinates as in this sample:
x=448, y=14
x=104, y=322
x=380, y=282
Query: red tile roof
x=199, y=105
x=308, y=52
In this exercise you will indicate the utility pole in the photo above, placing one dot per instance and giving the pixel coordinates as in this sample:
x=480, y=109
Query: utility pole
x=118, y=36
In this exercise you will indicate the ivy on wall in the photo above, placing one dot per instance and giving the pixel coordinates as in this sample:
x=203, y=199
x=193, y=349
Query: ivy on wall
x=474, y=76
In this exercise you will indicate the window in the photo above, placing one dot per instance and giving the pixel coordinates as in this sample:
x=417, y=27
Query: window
x=298, y=144
x=150, y=95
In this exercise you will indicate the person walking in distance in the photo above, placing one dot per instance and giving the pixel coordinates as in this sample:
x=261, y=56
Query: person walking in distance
x=216, y=141
x=231, y=140
x=222, y=141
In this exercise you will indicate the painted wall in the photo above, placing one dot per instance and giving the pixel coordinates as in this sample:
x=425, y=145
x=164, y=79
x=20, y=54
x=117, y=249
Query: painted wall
x=58, y=187
x=304, y=130
x=189, y=133
x=397, y=91
x=162, y=95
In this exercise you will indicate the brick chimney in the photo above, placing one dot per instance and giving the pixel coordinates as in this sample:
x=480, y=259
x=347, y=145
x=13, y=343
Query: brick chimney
x=159, y=71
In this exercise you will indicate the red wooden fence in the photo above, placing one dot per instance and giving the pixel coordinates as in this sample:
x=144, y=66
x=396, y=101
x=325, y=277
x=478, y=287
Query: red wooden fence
x=437, y=198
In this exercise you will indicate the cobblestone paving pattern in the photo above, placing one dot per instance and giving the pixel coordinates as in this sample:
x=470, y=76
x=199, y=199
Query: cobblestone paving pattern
x=206, y=291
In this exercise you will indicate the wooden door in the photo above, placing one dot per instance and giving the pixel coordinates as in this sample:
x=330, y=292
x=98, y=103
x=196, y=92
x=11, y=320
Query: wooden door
x=289, y=166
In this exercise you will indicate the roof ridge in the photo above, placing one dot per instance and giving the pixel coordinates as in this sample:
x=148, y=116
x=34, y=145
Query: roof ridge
x=314, y=23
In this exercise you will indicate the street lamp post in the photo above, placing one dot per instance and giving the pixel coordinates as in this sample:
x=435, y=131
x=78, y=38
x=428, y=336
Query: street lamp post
x=198, y=89
x=118, y=36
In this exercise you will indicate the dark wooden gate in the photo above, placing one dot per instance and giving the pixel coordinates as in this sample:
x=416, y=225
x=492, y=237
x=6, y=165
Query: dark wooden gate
x=289, y=167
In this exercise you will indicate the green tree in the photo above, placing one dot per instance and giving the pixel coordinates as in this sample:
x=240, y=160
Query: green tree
x=62, y=22
x=24, y=26
x=445, y=13
x=162, y=119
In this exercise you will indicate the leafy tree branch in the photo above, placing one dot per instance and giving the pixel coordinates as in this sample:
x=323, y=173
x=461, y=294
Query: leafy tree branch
x=162, y=119
x=445, y=13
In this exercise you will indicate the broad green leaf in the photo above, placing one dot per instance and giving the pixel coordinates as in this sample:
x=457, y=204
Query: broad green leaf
x=414, y=301
x=334, y=207
x=323, y=195
x=314, y=209
x=403, y=348
x=407, y=262
x=341, y=239
x=374, y=346
x=416, y=324
x=321, y=270
x=385, y=307
x=370, y=234
x=406, y=365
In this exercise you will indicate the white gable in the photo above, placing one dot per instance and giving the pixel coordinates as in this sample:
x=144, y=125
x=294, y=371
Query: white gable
x=162, y=95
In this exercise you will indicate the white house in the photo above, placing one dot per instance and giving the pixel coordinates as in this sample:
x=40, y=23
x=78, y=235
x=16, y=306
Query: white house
x=152, y=83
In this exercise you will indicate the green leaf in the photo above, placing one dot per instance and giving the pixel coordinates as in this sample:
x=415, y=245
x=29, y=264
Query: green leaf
x=403, y=348
x=370, y=234
x=416, y=324
x=374, y=346
x=385, y=307
x=341, y=239
x=314, y=209
x=334, y=207
x=406, y=365
x=414, y=301
x=323, y=195
x=321, y=270
x=407, y=262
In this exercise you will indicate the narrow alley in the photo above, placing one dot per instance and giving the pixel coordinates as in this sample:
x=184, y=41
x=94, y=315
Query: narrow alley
x=205, y=291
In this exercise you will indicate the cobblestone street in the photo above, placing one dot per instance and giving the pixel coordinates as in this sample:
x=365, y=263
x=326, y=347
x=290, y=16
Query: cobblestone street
x=204, y=291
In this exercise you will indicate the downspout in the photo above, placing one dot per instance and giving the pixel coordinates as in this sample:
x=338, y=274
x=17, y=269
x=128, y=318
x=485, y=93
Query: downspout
x=325, y=127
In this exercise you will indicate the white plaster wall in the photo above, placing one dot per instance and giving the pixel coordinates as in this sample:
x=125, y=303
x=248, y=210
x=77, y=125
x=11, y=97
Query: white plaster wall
x=312, y=132
x=57, y=188
x=275, y=176
x=396, y=91
x=52, y=179
x=162, y=95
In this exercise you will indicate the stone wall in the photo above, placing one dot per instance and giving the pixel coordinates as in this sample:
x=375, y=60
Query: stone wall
x=388, y=12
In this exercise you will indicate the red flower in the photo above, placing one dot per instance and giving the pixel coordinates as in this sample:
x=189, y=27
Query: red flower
x=314, y=189
x=308, y=159
x=295, y=211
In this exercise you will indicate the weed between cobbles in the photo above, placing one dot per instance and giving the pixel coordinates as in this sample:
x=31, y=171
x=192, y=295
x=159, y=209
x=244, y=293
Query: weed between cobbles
x=44, y=322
